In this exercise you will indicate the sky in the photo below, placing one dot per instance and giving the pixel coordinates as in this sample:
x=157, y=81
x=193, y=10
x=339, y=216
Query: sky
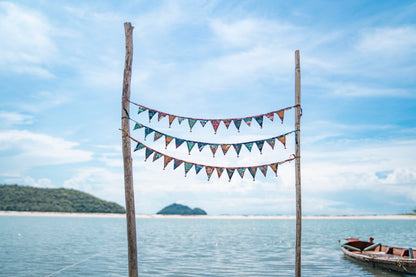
x=61, y=74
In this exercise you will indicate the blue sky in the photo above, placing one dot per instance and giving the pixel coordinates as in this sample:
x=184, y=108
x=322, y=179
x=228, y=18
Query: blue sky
x=61, y=69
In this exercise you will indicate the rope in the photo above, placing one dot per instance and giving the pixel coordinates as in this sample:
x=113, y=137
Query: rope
x=69, y=266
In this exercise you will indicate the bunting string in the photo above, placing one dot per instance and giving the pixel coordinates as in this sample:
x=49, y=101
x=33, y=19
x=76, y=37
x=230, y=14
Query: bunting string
x=214, y=122
x=208, y=169
x=213, y=146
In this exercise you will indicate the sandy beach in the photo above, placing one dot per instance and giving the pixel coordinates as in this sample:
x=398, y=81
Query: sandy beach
x=51, y=214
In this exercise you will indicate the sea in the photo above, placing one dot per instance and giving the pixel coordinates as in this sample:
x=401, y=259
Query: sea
x=97, y=246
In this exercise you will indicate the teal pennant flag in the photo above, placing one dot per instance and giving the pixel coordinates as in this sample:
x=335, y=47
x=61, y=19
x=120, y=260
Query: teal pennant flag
x=190, y=145
x=237, y=148
x=249, y=146
x=259, y=120
x=253, y=171
x=198, y=168
x=241, y=171
x=230, y=172
x=138, y=126
x=188, y=167
x=214, y=148
x=201, y=146
x=271, y=142
x=151, y=114
x=156, y=156
x=248, y=120
x=260, y=144
x=139, y=147
x=203, y=122
x=176, y=163
x=148, y=153
x=147, y=131
x=179, y=142
x=191, y=123
x=141, y=109
x=237, y=123
x=157, y=136
x=263, y=169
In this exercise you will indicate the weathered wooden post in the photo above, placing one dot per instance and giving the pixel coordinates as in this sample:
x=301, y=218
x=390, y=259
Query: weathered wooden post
x=297, y=168
x=127, y=160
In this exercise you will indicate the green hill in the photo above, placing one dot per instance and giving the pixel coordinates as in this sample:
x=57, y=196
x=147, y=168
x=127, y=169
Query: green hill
x=24, y=198
x=178, y=209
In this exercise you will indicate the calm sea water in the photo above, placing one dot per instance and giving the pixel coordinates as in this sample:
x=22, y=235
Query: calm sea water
x=70, y=246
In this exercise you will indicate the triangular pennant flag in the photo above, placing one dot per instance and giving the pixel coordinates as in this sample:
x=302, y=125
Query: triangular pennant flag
x=156, y=156
x=190, y=145
x=270, y=116
x=147, y=131
x=168, y=139
x=230, y=172
x=188, y=166
x=179, y=142
x=241, y=171
x=138, y=126
x=148, y=153
x=139, y=147
x=263, y=169
x=274, y=167
x=282, y=139
x=157, y=136
x=214, y=148
x=249, y=146
x=151, y=114
x=161, y=115
x=176, y=163
x=141, y=109
x=209, y=171
x=259, y=120
x=271, y=142
x=220, y=170
x=281, y=114
x=201, y=146
x=191, y=123
x=167, y=160
x=180, y=119
x=215, y=124
x=198, y=168
x=171, y=119
x=237, y=148
x=253, y=171
x=203, y=122
x=225, y=148
x=237, y=123
x=227, y=122
x=248, y=120
x=260, y=144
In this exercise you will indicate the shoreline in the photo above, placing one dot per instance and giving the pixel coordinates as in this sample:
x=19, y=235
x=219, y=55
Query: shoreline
x=109, y=215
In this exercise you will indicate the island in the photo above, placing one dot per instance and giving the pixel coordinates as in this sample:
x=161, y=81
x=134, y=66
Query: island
x=31, y=199
x=178, y=209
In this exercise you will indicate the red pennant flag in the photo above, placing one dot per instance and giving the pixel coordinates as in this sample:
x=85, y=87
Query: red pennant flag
x=160, y=116
x=270, y=116
x=214, y=148
x=227, y=122
x=209, y=171
x=215, y=124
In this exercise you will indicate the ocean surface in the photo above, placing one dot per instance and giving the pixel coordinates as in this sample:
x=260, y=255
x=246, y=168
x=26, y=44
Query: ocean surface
x=77, y=246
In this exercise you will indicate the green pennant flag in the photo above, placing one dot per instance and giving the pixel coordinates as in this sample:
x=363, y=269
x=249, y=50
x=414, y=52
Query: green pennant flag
x=190, y=145
x=137, y=126
x=249, y=146
x=260, y=144
x=237, y=123
x=237, y=148
x=253, y=171
x=259, y=120
x=230, y=172
x=151, y=114
x=188, y=166
x=141, y=109
x=241, y=171
x=191, y=123
x=198, y=168
x=148, y=153
x=157, y=136
x=139, y=147
x=248, y=120
x=156, y=156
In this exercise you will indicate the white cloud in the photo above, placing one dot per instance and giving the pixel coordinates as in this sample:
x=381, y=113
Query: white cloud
x=29, y=47
x=23, y=150
x=13, y=118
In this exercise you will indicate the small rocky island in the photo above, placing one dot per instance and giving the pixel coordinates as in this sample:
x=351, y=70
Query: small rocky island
x=178, y=209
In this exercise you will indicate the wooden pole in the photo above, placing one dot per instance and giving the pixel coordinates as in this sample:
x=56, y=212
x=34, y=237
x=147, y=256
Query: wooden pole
x=297, y=168
x=127, y=160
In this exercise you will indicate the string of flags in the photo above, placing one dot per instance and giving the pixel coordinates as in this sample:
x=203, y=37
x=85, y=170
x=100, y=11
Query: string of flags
x=208, y=169
x=213, y=146
x=214, y=122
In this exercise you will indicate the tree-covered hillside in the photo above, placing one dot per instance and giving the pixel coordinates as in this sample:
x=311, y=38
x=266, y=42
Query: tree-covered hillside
x=178, y=209
x=23, y=198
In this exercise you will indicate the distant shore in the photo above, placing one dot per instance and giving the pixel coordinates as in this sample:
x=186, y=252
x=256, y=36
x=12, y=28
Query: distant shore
x=51, y=214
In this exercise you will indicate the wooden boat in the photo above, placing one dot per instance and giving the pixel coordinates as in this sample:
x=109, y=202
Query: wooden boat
x=378, y=255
